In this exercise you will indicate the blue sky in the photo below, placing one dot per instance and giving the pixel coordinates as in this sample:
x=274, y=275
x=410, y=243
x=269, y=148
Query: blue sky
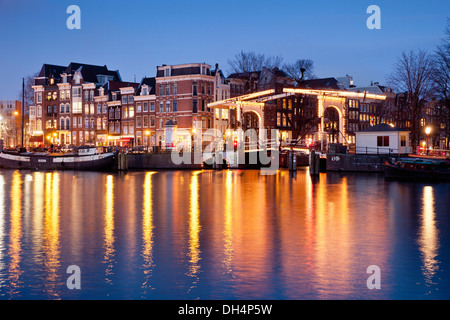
x=136, y=36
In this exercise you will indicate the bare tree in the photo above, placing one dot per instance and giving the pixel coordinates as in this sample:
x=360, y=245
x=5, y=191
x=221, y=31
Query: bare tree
x=413, y=74
x=442, y=83
x=245, y=62
x=301, y=69
x=28, y=97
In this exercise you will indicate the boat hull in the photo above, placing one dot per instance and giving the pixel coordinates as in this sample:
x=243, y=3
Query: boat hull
x=394, y=172
x=104, y=161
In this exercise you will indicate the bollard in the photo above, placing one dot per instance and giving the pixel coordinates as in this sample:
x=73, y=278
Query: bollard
x=122, y=161
x=292, y=158
x=314, y=160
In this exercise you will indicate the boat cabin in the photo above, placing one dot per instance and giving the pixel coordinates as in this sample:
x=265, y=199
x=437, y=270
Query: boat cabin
x=87, y=151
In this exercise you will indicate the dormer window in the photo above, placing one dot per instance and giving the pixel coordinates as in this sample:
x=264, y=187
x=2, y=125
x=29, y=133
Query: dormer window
x=167, y=72
x=52, y=81
x=144, y=91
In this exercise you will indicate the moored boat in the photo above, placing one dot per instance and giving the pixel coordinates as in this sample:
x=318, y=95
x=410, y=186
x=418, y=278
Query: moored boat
x=418, y=169
x=83, y=158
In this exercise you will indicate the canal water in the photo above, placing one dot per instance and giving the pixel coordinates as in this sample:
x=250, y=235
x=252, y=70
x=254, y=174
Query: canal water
x=228, y=234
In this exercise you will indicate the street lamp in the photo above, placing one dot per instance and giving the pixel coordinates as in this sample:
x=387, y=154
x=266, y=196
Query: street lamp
x=427, y=132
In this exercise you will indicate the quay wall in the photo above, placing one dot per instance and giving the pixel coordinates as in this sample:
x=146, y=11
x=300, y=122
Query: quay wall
x=356, y=162
x=157, y=160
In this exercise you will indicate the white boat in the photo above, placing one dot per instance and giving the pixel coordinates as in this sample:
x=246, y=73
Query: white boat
x=84, y=158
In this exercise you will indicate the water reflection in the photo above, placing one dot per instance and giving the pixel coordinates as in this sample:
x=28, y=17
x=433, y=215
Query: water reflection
x=194, y=229
x=228, y=223
x=109, y=228
x=147, y=232
x=51, y=235
x=428, y=236
x=15, y=244
x=218, y=234
x=2, y=224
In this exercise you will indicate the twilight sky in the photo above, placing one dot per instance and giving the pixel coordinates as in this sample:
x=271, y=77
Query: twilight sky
x=136, y=36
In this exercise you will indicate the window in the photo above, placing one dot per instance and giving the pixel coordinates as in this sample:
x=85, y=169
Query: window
x=62, y=94
x=167, y=106
x=86, y=95
x=167, y=72
x=124, y=99
x=67, y=108
x=67, y=123
x=39, y=111
x=117, y=127
x=105, y=108
x=138, y=122
x=76, y=107
x=62, y=108
x=167, y=89
x=145, y=107
x=174, y=105
x=111, y=128
x=138, y=107
x=145, y=122
x=117, y=113
x=174, y=89
x=111, y=113
x=91, y=95
x=383, y=141
x=203, y=105
x=203, y=88
x=131, y=112
x=104, y=123
x=55, y=95
x=62, y=123
x=161, y=90
x=86, y=108
x=130, y=99
x=161, y=106
x=75, y=122
x=49, y=96
x=39, y=97
x=76, y=92
x=403, y=141
x=67, y=94
x=194, y=106
x=99, y=123
x=152, y=121
x=86, y=123
x=39, y=125
x=194, y=89
x=92, y=108
x=144, y=91
x=80, y=122
x=131, y=129
x=92, y=123
x=152, y=106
